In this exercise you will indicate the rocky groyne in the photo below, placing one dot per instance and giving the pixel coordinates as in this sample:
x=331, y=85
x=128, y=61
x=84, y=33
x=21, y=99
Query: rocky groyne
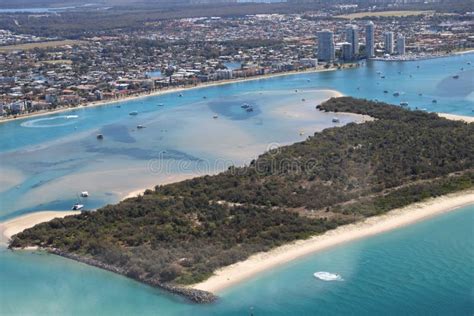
x=194, y=295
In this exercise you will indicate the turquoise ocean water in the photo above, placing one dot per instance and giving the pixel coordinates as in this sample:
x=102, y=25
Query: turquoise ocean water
x=46, y=161
x=423, y=269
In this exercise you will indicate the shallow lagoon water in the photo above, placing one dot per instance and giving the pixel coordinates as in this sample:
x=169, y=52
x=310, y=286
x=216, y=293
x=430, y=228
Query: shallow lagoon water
x=46, y=161
x=58, y=155
x=175, y=140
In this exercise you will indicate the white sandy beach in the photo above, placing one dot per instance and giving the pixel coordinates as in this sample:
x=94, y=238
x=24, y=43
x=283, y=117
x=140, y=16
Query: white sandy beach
x=167, y=180
x=19, y=224
x=263, y=261
x=454, y=117
x=260, y=262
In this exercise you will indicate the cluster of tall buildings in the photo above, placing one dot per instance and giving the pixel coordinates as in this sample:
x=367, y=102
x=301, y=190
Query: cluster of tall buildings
x=350, y=49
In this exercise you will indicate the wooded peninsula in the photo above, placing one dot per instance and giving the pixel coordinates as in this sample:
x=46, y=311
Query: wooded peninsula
x=179, y=234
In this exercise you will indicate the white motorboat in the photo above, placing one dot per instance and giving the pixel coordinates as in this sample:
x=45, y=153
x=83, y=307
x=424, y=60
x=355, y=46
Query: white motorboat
x=77, y=207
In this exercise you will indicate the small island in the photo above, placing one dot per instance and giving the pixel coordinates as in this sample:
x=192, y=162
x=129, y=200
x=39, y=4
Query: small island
x=179, y=234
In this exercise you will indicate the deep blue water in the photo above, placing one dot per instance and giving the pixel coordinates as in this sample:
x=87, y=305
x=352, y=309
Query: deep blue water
x=46, y=161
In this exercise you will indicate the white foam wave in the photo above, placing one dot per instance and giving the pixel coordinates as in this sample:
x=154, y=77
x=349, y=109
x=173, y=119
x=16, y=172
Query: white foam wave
x=327, y=276
x=51, y=121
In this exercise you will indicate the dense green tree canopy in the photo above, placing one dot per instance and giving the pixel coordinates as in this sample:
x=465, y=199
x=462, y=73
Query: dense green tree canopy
x=182, y=232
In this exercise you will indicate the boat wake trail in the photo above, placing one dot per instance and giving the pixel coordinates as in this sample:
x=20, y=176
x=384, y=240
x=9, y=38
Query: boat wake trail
x=327, y=276
x=51, y=121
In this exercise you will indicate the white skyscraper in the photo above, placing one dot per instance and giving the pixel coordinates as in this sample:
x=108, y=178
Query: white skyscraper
x=388, y=42
x=401, y=44
x=352, y=37
x=326, y=46
x=370, y=40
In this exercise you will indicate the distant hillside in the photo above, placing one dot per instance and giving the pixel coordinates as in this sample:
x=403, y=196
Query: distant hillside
x=41, y=3
x=69, y=3
x=180, y=233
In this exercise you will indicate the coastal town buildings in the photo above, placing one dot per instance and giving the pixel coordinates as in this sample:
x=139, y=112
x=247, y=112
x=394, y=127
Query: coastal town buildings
x=352, y=37
x=190, y=51
x=388, y=42
x=326, y=50
x=370, y=39
x=401, y=45
x=347, y=52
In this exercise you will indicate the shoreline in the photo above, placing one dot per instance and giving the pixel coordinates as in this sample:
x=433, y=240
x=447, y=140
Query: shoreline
x=170, y=90
x=15, y=225
x=261, y=262
x=398, y=58
x=394, y=219
x=456, y=117
x=184, y=88
x=18, y=224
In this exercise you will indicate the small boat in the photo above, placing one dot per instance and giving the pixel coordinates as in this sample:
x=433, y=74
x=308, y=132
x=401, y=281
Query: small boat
x=335, y=120
x=100, y=136
x=84, y=194
x=77, y=207
x=456, y=77
x=133, y=113
x=140, y=126
x=327, y=276
x=404, y=103
x=434, y=101
x=385, y=91
x=301, y=133
x=396, y=94
x=160, y=104
x=215, y=117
